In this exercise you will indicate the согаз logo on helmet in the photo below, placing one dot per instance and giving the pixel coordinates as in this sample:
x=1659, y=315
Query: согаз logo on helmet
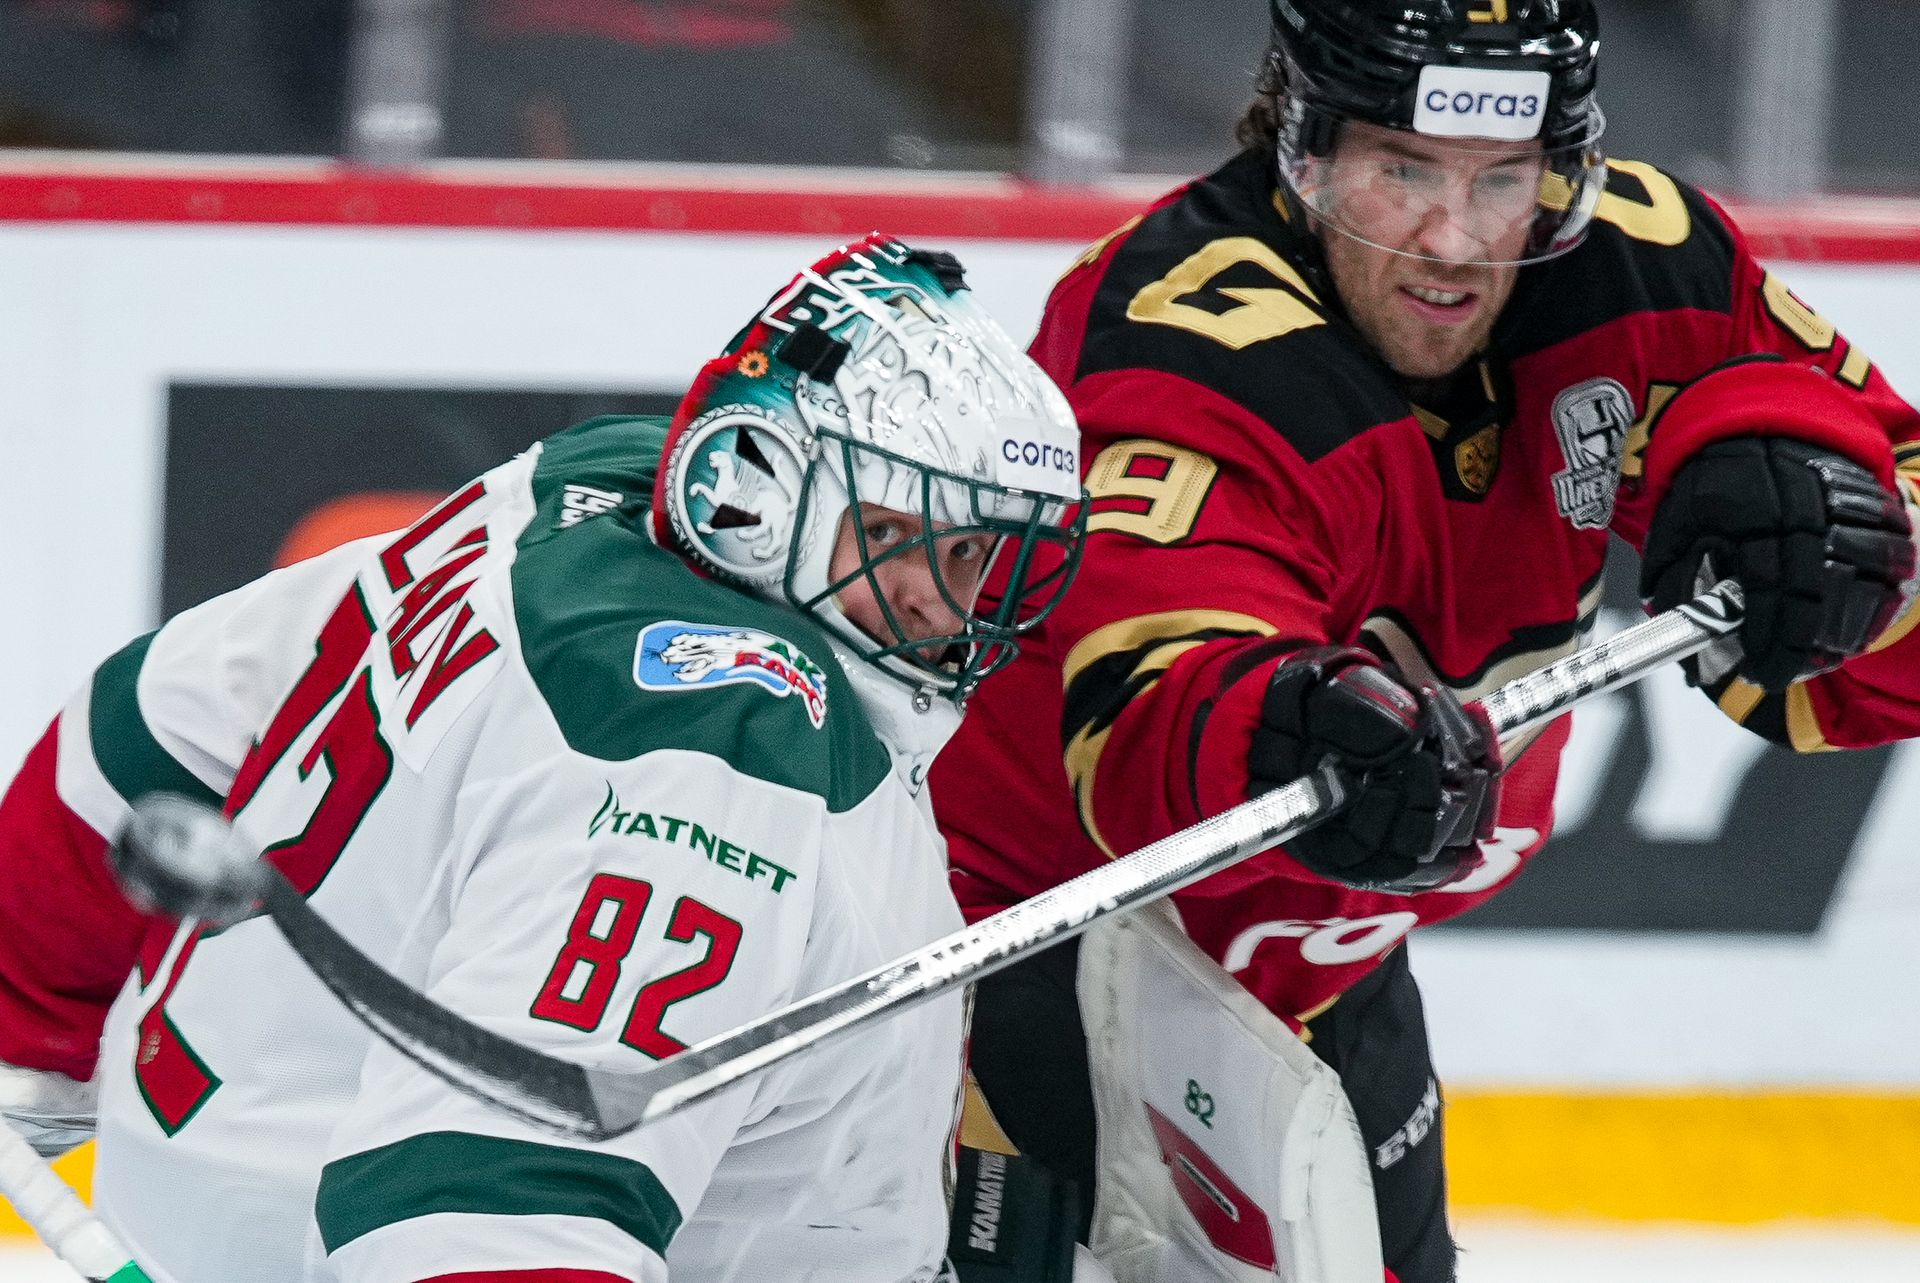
x=675, y=656
x=1041, y=454
x=1474, y=102
x=1466, y=104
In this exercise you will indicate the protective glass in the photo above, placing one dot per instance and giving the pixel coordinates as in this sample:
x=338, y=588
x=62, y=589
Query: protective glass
x=969, y=531
x=1449, y=200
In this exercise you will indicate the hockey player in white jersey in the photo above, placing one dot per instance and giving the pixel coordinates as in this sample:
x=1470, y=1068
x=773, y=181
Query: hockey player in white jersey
x=620, y=746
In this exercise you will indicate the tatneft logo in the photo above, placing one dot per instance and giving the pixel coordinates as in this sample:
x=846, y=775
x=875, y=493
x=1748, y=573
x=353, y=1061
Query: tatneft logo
x=1468, y=102
x=615, y=820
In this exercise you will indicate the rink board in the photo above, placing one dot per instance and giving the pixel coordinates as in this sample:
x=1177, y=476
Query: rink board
x=1734, y=1158
x=1726, y=1076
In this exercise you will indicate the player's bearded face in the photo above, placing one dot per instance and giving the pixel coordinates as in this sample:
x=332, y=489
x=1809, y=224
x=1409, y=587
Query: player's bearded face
x=1420, y=223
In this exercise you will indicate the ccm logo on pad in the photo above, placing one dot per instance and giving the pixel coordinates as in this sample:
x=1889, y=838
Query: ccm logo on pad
x=1466, y=102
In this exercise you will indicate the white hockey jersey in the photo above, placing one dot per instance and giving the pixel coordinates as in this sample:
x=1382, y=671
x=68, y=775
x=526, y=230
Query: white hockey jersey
x=537, y=768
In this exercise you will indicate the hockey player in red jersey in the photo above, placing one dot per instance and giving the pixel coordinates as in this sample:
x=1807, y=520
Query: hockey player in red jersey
x=1361, y=409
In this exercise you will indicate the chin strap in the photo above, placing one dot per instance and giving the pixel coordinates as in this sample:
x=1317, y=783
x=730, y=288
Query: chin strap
x=914, y=724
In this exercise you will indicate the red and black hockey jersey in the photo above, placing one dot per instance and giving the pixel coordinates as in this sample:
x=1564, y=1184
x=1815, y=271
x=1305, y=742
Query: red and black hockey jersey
x=1261, y=480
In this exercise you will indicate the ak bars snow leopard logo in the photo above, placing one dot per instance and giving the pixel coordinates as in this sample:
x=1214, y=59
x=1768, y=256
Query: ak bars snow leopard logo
x=1592, y=420
x=677, y=656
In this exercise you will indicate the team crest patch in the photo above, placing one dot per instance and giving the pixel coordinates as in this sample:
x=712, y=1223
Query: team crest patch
x=1477, y=459
x=678, y=656
x=1592, y=420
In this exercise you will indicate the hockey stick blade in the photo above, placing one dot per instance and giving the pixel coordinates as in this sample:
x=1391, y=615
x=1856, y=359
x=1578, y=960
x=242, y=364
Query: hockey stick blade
x=598, y=1104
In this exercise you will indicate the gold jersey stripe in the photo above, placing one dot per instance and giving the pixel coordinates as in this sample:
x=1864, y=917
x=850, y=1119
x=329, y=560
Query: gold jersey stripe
x=1160, y=658
x=1855, y=369
x=1314, y=1013
x=1740, y=698
x=1132, y=634
x=1092, y=253
x=1907, y=470
x=1902, y=624
x=1733, y=1157
x=1083, y=760
x=1803, y=724
x=1084, y=750
x=1125, y=637
x=979, y=1129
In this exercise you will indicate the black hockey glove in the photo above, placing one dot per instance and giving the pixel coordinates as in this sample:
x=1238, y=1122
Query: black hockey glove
x=1820, y=547
x=1424, y=771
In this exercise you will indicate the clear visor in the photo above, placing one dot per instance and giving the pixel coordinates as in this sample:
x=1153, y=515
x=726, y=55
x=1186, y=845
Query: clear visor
x=1449, y=200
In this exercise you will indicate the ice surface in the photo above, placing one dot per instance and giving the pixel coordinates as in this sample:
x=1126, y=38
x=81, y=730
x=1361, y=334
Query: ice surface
x=1537, y=1251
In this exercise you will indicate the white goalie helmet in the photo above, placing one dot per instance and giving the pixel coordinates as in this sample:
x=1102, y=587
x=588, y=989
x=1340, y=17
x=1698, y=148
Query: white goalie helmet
x=875, y=378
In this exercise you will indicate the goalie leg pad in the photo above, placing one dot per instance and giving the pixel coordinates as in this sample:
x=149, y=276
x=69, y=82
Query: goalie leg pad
x=1228, y=1152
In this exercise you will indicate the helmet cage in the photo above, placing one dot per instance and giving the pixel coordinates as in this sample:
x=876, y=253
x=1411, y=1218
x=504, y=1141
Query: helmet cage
x=874, y=378
x=1020, y=524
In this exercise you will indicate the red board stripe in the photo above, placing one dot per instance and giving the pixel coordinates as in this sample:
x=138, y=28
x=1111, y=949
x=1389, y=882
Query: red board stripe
x=1834, y=232
x=763, y=202
x=991, y=209
x=529, y=1276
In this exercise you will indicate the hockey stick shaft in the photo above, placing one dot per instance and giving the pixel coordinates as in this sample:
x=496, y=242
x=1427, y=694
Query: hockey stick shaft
x=597, y=1104
x=1146, y=875
x=63, y=1222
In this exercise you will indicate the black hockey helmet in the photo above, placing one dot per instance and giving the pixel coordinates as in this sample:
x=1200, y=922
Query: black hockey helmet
x=1480, y=76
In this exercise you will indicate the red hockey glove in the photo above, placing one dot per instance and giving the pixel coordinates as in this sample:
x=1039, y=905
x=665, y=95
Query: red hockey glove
x=1424, y=771
x=1821, y=548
